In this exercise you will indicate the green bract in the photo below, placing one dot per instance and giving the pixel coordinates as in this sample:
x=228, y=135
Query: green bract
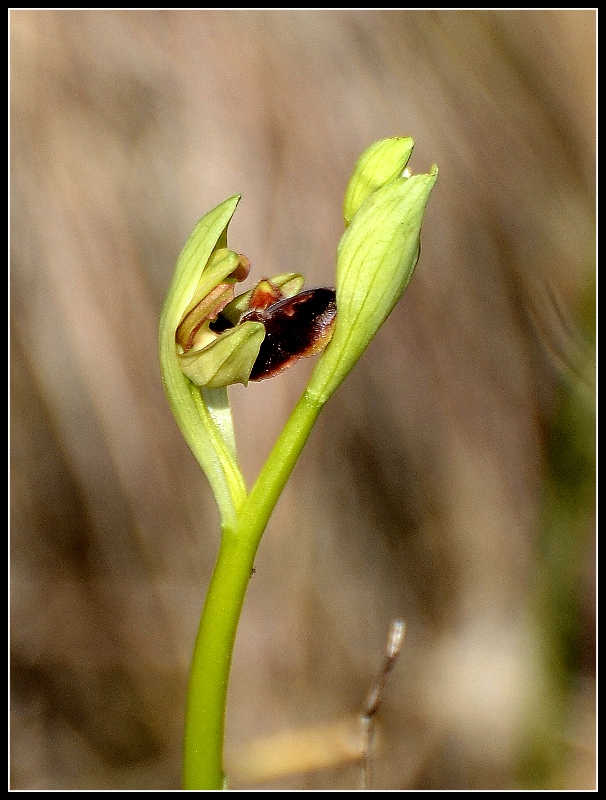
x=203, y=414
x=376, y=257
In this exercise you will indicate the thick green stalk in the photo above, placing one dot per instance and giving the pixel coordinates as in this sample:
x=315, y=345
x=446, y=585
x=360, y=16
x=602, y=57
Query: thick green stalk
x=209, y=675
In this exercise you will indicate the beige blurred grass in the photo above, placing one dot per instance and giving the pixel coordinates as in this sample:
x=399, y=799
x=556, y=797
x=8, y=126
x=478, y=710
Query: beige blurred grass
x=420, y=493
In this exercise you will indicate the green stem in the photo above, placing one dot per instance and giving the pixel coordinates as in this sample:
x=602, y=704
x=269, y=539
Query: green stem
x=209, y=675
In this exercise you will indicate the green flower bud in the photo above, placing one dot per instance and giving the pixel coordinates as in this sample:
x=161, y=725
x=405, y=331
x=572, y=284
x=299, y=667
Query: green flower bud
x=375, y=261
x=382, y=162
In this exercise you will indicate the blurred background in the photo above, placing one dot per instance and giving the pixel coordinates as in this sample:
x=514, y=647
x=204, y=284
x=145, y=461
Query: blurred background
x=451, y=480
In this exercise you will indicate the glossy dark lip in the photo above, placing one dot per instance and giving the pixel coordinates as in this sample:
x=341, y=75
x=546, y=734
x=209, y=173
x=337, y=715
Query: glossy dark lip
x=295, y=327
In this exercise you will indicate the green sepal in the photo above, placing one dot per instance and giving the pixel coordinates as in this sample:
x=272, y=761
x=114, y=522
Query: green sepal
x=203, y=418
x=228, y=359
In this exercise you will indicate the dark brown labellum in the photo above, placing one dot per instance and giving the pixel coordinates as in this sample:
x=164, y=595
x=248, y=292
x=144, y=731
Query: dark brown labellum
x=295, y=327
